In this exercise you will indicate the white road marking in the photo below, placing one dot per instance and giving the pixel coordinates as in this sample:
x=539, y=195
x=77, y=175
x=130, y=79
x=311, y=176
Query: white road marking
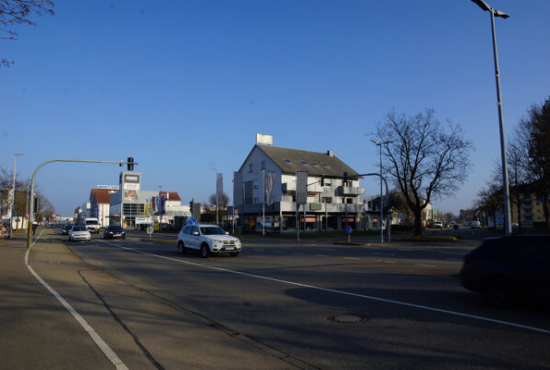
x=413, y=305
x=107, y=351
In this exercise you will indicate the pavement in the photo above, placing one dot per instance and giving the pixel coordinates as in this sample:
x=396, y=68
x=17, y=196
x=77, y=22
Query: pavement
x=57, y=312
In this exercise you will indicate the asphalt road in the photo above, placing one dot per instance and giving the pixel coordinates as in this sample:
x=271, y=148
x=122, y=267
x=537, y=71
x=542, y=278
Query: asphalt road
x=313, y=303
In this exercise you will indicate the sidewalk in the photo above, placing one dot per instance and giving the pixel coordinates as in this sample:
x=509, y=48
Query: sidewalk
x=142, y=331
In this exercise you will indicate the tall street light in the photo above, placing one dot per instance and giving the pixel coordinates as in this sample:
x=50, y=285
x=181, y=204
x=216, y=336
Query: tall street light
x=158, y=205
x=379, y=144
x=13, y=194
x=497, y=13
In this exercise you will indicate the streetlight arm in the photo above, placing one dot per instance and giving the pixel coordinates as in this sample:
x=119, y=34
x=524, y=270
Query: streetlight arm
x=486, y=7
x=483, y=5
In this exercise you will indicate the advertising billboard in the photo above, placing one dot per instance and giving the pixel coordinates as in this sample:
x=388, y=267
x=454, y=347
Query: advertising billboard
x=130, y=185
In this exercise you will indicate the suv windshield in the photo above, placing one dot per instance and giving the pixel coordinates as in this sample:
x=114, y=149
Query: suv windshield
x=212, y=230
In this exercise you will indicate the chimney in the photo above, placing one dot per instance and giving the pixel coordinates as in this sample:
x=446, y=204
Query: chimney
x=330, y=153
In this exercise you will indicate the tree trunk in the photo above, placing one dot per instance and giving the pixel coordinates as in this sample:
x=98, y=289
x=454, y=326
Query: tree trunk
x=417, y=222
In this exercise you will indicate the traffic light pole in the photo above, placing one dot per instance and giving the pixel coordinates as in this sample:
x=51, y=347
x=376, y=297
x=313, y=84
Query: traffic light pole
x=388, y=223
x=31, y=193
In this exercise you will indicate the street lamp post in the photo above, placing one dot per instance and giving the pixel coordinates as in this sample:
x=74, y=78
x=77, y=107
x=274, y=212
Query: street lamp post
x=13, y=194
x=31, y=192
x=379, y=144
x=505, y=184
x=159, y=208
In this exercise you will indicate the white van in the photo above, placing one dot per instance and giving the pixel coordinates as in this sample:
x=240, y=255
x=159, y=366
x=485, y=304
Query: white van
x=92, y=224
x=475, y=224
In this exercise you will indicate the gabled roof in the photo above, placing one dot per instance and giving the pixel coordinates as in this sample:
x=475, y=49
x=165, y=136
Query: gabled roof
x=292, y=160
x=101, y=195
x=172, y=196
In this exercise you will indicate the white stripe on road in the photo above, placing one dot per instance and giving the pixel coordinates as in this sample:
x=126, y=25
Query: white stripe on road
x=109, y=353
x=454, y=313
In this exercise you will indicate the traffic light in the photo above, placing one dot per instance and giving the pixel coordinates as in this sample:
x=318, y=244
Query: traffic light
x=322, y=180
x=36, y=204
x=130, y=163
x=345, y=177
x=191, y=204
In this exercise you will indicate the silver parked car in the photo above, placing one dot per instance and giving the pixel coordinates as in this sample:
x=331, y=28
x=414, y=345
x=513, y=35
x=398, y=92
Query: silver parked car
x=208, y=239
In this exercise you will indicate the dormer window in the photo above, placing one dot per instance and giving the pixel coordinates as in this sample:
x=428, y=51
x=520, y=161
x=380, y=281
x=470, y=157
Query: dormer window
x=287, y=161
x=304, y=163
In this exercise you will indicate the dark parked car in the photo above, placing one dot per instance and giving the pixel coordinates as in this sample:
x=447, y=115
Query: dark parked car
x=114, y=231
x=66, y=229
x=509, y=270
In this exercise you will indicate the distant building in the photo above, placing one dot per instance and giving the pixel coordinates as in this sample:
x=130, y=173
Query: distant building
x=99, y=205
x=266, y=184
x=531, y=210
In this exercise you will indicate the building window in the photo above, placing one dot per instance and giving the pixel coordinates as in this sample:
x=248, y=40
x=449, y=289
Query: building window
x=263, y=165
x=325, y=165
x=251, y=167
x=287, y=161
x=304, y=163
x=327, y=199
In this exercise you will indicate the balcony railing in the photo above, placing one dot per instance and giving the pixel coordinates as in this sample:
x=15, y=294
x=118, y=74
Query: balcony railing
x=311, y=189
x=349, y=191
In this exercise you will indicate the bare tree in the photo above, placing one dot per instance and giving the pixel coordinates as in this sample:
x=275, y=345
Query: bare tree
x=426, y=159
x=20, y=202
x=223, y=203
x=534, y=131
x=13, y=12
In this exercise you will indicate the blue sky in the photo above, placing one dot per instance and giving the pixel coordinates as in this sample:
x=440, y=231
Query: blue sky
x=184, y=86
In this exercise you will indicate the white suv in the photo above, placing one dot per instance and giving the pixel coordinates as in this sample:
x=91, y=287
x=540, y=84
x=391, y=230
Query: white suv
x=208, y=239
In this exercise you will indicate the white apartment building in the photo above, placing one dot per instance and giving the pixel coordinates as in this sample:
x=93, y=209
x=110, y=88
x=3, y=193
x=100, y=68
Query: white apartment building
x=266, y=185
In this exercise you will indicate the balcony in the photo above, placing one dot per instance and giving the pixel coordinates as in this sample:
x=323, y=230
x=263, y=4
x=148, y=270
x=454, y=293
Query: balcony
x=325, y=207
x=349, y=191
x=311, y=189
